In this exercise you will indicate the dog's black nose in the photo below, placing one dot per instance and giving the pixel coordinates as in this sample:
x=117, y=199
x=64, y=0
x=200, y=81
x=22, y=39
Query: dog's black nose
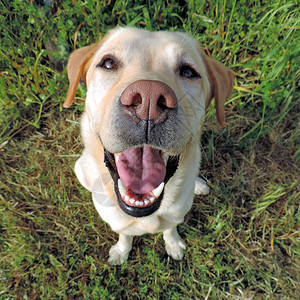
x=149, y=100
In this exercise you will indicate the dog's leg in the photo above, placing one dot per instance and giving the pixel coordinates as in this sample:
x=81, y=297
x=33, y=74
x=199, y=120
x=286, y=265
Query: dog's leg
x=174, y=243
x=119, y=252
x=201, y=187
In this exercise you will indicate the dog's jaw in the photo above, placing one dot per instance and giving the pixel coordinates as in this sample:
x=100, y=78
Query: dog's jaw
x=140, y=207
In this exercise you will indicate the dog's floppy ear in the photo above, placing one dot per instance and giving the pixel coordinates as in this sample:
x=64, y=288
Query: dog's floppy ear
x=78, y=64
x=221, y=85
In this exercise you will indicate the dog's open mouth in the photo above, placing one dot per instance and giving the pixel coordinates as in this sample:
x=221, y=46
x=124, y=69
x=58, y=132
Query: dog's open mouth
x=140, y=175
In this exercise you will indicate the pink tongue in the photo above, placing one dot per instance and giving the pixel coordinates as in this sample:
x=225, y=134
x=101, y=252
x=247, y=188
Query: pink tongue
x=141, y=169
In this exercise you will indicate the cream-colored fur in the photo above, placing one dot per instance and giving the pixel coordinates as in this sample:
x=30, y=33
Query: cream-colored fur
x=145, y=56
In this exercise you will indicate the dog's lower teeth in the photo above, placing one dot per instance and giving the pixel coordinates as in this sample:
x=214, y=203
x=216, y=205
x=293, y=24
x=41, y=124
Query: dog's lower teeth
x=130, y=198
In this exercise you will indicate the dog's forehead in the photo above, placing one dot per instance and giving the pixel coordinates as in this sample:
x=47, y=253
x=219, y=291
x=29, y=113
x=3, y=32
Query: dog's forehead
x=132, y=42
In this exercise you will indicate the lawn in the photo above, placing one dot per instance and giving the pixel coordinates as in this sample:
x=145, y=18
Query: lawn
x=242, y=239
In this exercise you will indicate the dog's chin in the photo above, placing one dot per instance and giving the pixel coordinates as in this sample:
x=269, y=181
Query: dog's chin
x=140, y=198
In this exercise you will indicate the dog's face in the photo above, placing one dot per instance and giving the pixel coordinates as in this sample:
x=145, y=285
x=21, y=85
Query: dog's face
x=146, y=99
x=146, y=88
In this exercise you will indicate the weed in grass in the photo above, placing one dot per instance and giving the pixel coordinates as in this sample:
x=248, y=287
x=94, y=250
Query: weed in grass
x=243, y=238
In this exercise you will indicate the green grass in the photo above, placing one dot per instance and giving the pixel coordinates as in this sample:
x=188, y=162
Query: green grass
x=243, y=238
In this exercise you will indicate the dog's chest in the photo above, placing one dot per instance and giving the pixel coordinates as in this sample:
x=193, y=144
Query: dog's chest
x=124, y=224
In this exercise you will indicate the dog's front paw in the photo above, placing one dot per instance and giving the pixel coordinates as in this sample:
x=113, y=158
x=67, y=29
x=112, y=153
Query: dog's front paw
x=175, y=250
x=174, y=243
x=118, y=253
x=117, y=256
x=201, y=188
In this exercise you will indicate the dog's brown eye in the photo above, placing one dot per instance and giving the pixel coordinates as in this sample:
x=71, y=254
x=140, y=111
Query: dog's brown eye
x=188, y=72
x=108, y=63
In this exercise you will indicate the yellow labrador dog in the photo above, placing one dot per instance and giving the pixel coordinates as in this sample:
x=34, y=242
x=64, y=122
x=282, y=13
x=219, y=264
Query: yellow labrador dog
x=145, y=105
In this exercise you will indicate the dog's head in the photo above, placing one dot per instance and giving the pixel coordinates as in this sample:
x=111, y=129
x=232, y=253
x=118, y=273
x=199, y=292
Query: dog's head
x=146, y=98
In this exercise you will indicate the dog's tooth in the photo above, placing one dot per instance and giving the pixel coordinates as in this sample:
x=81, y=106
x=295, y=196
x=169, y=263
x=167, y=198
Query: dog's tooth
x=127, y=198
x=165, y=157
x=117, y=157
x=122, y=188
x=152, y=199
x=131, y=200
x=156, y=192
x=146, y=202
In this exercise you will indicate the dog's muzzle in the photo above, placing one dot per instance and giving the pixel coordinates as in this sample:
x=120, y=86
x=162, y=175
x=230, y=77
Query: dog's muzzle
x=147, y=114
